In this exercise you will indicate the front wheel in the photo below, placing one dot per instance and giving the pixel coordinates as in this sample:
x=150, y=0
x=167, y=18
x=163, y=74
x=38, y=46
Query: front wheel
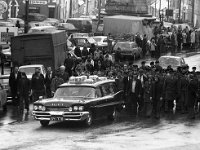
x=113, y=116
x=44, y=123
x=89, y=120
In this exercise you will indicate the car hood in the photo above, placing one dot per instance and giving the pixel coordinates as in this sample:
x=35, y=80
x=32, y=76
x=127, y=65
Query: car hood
x=61, y=102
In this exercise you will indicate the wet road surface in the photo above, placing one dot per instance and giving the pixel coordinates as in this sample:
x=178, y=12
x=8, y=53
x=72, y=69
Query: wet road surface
x=170, y=132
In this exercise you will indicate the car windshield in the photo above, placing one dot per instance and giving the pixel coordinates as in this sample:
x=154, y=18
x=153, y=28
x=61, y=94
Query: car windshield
x=123, y=46
x=97, y=39
x=81, y=91
x=28, y=71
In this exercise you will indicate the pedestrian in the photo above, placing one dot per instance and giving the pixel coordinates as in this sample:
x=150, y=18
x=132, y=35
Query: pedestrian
x=56, y=82
x=183, y=92
x=156, y=96
x=85, y=53
x=170, y=91
x=13, y=83
x=92, y=49
x=77, y=51
x=192, y=40
x=134, y=93
x=144, y=45
x=69, y=64
x=48, y=79
x=192, y=95
x=18, y=24
x=147, y=97
x=2, y=60
x=63, y=74
x=179, y=40
x=37, y=85
x=24, y=90
x=152, y=48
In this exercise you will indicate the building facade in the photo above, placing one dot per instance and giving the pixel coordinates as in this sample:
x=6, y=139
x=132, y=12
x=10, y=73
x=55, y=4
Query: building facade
x=185, y=7
x=51, y=8
x=126, y=7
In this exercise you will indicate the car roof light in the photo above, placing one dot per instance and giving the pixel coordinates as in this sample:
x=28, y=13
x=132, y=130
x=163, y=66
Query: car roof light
x=86, y=79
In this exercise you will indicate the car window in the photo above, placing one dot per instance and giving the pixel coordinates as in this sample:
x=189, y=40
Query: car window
x=98, y=93
x=107, y=89
x=113, y=88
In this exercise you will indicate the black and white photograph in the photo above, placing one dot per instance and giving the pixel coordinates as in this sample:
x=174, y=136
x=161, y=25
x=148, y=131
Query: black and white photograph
x=99, y=74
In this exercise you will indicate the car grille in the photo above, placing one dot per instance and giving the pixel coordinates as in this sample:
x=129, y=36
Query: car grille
x=57, y=109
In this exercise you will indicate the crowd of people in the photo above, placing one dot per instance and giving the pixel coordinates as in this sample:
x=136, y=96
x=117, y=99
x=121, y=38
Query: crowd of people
x=148, y=90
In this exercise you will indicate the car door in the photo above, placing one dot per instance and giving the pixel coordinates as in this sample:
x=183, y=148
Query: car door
x=101, y=107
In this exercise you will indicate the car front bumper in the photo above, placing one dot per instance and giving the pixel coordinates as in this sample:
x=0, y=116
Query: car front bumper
x=60, y=115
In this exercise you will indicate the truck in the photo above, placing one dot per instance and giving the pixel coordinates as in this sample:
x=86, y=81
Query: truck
x=46, y=48
x=120, y=24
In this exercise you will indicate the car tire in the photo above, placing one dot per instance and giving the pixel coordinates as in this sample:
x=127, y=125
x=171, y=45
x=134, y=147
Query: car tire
x=44, y=123
x=88, y=122
x=113, y=116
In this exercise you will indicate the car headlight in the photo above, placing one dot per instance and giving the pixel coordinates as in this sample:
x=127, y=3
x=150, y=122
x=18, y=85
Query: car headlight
x=81, y=108
x=75, y=108
x=40, y=107
x=35, y=107
x=43, y=108
x=70, y=109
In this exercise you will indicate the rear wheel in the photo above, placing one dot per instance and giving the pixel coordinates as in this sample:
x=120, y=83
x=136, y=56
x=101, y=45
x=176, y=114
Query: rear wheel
x=44, y=123
x=113, y=116
x=89, y=120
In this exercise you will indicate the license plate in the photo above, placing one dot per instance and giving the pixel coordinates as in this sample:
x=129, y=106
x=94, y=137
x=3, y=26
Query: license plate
x=56, y=118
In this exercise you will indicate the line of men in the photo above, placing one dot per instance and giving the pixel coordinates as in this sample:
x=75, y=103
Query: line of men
x=150, y=90
x=38, y=86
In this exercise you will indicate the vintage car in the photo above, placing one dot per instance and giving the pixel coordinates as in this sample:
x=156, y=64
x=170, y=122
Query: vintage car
x=81, y=99
x=173, y=61
x=127, y=49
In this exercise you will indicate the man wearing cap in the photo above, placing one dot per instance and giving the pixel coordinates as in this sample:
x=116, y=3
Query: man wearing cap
x=134, y=92
x=157, y=65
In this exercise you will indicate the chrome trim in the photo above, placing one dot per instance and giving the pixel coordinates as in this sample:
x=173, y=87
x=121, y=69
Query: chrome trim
x=66, y=115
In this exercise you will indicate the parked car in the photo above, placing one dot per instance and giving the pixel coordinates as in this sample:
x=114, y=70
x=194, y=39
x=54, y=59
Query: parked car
x=4, y=81
x=127, y=49
x=42, y=29
x=7, y=52
x=68, y=27
x=173, y=61
x=84, y=41
x=30, y=70
x=14, y=21
x=6, y=24
x=81, y=99
x=52, y=21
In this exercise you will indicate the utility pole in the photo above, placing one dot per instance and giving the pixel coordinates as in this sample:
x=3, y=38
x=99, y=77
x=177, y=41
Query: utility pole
x=86, y=9
x=70, y=9
x=155, y=7
x=168, y=12
x=159, y=11
x=99, y=11
x=26, y=16
x=179, y=18
x=193, y=3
